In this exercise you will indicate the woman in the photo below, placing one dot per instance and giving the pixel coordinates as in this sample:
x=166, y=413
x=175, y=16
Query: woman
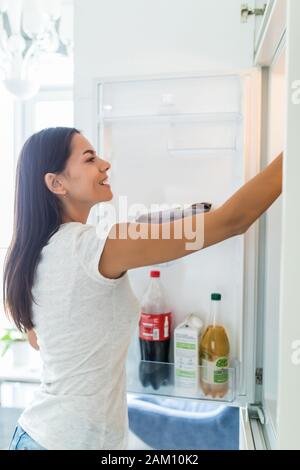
x=71, y=287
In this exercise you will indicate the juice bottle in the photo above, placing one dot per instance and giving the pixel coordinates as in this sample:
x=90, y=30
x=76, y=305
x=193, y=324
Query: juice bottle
x=214, y=354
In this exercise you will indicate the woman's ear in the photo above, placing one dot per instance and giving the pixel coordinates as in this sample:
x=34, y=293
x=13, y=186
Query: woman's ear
x=54, y=184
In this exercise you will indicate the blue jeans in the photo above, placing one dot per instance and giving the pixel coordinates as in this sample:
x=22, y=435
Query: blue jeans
x=21, y=441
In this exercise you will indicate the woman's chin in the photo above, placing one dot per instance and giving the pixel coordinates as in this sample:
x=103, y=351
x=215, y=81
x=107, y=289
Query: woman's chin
x=107, y=197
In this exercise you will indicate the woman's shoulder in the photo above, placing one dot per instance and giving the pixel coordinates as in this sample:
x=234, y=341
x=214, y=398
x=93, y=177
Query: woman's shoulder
x=67, y=228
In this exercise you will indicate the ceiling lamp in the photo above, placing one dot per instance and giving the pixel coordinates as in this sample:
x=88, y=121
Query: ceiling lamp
x=28, y=30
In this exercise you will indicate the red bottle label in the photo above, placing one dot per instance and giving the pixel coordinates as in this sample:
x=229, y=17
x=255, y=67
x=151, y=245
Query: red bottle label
x=155, y=326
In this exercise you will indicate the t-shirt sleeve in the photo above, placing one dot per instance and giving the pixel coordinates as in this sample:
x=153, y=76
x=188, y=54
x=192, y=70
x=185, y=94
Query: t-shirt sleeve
x=88, y=246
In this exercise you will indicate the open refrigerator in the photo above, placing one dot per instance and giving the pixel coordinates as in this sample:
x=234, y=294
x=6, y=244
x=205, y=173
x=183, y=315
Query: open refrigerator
x=180, y=140
x=186, y=138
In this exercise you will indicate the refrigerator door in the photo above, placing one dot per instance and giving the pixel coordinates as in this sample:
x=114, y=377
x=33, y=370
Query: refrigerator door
x=288, y=415
x=246, y=436
x=278, y=355
x=270, y=256
x=251, y=432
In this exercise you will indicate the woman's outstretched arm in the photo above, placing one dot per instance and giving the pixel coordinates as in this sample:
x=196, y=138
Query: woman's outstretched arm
x=125, y=249
x=256, y=196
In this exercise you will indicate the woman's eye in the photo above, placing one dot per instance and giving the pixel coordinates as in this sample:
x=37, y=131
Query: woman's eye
x=91, y=159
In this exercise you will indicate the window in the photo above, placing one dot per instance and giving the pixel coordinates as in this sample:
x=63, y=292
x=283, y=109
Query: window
x=51, y=107
x=47, y=113
x=7, y=176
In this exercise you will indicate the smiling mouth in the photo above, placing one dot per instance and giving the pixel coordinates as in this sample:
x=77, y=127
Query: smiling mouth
x=104, y=182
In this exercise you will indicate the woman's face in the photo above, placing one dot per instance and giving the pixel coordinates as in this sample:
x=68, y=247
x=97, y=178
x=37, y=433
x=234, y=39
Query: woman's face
x=84, y=175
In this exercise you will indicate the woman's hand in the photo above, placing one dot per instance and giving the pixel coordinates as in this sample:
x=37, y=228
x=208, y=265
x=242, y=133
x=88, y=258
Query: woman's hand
x=32, y=339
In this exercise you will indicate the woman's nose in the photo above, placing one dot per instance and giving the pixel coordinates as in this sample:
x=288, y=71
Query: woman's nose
x=104, y=165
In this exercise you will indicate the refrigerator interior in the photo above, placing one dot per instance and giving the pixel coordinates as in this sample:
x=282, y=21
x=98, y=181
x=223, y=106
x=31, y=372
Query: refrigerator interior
x=180, y=140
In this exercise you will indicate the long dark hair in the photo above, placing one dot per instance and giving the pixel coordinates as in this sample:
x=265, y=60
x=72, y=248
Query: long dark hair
x=37, y=216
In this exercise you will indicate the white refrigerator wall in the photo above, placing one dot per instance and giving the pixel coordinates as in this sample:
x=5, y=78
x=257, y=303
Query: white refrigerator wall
x=198, y=40
x=141, y=37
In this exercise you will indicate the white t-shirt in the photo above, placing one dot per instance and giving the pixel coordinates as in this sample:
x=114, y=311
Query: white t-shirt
x=83, y=323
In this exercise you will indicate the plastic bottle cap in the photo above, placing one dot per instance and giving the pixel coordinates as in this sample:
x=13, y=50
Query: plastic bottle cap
x=216, y=296
x=155, y=273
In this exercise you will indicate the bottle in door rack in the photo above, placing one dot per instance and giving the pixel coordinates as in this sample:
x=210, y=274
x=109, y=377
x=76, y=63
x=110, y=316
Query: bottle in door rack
x=214, y=354
x=154, y=335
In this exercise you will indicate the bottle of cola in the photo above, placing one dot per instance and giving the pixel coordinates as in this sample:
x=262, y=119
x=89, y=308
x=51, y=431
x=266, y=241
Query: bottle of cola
x=154, y=334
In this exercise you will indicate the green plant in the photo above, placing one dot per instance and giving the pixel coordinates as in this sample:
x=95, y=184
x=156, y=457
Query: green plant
x=10, y=337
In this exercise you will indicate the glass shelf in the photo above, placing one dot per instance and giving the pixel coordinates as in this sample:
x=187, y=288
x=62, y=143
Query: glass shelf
x=164, y=379
x=176, y=117
x=201, y=152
